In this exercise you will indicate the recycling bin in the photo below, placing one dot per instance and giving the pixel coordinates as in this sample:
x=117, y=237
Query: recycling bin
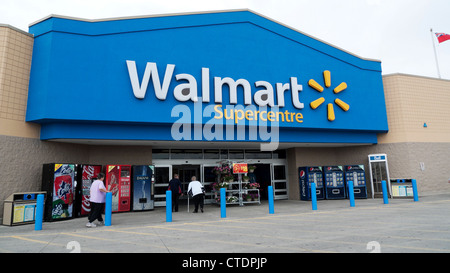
x=20, y=208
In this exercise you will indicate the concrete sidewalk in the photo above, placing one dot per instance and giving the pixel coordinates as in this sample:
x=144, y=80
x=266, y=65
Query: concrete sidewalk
x=400, y=226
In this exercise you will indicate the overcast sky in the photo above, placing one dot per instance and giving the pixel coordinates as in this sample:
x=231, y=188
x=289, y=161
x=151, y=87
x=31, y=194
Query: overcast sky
x=397, y=32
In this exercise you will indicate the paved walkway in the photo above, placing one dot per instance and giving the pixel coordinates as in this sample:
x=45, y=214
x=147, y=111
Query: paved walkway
x=400, y=226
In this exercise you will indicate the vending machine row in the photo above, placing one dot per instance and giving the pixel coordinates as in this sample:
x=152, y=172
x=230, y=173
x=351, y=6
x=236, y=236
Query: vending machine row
x=331, y=181
x=67, y=187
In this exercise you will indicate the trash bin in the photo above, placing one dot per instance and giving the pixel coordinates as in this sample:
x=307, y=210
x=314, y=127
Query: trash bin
x=20, y=208
x=402, y=188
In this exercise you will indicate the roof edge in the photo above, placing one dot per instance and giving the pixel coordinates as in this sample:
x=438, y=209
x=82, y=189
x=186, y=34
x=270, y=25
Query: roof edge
x=134, y=17
x=16, y=29
x=315, y=38
x=197, y=13
x=414, y=76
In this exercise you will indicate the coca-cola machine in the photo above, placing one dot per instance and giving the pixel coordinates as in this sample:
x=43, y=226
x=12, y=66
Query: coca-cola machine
x=118, y=181
x=86, y=174
x=58, y=183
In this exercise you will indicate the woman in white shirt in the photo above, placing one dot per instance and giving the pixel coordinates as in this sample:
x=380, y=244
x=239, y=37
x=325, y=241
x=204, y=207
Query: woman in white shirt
x=197, y=190
x=97, y=200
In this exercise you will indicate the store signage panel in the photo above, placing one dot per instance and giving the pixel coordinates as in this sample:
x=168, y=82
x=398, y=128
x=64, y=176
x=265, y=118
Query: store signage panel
x=240, y=168
x=242, y=70
x=261, y=93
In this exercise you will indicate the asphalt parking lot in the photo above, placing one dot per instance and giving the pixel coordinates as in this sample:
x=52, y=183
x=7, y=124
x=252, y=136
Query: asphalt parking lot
x=402, y=226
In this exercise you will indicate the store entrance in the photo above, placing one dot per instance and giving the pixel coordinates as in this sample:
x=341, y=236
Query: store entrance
x=270, y=170
x=185, y=173
x=263, y=177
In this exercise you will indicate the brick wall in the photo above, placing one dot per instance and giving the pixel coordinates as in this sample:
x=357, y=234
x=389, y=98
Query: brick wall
x=16, y=50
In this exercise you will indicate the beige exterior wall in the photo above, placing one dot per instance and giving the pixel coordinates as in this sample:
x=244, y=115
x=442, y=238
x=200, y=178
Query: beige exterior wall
x=412, y=101
x=16, y=50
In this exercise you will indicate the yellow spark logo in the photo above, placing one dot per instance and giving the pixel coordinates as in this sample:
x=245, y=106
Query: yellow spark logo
x=341, y=87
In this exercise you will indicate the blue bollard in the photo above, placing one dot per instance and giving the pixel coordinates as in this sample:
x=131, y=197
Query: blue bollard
x=385, y=192
x=223, y=205
x=168, y=206
x=39, y=212
x=108, y=209
x=351, y=193
x=313, y=196
x=270, y=193
x=414, y=186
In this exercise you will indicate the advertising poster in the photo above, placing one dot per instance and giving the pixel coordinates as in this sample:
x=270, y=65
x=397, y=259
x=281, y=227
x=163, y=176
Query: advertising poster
x=63, y=191
x=18, y=213
x=142, y=182
x=112, y=184
x=24, y=213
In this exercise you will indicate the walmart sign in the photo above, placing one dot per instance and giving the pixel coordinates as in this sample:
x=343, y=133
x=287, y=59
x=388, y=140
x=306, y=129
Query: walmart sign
x=133, y=78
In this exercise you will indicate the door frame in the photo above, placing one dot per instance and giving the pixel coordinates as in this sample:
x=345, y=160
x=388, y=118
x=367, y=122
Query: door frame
x=160, y=185
x=278, y=181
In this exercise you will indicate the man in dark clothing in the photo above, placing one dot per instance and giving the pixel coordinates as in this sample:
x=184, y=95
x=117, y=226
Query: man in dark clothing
x=175, y=187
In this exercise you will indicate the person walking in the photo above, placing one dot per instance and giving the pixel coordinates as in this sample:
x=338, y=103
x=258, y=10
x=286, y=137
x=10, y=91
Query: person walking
x=97, y=200
x=175, y=187
x=197, y=190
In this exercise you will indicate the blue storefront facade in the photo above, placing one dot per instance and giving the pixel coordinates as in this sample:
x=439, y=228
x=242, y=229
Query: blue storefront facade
x=198, y=89
x=181, y=77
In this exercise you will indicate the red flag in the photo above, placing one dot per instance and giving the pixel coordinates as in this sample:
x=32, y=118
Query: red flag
x=442, y=37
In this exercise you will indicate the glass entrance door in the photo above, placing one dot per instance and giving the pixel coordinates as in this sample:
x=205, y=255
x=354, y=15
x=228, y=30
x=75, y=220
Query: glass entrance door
x=263, y=177
x=208, y=178
x=163, y=174
x=185, y=173
x=271, y=169
x=272, y=174
x=279, y=181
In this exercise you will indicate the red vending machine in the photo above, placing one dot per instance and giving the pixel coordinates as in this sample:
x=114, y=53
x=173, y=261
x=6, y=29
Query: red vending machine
x=86, y=174
x=118, y=181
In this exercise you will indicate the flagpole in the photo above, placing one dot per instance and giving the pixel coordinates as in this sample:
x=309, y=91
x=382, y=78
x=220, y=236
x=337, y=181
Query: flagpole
x=435, y=54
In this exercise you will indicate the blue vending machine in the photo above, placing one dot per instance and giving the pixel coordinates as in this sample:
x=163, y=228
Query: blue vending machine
x=334, y=182
x=356, y=174
x=307, y=175
x=143, y=195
